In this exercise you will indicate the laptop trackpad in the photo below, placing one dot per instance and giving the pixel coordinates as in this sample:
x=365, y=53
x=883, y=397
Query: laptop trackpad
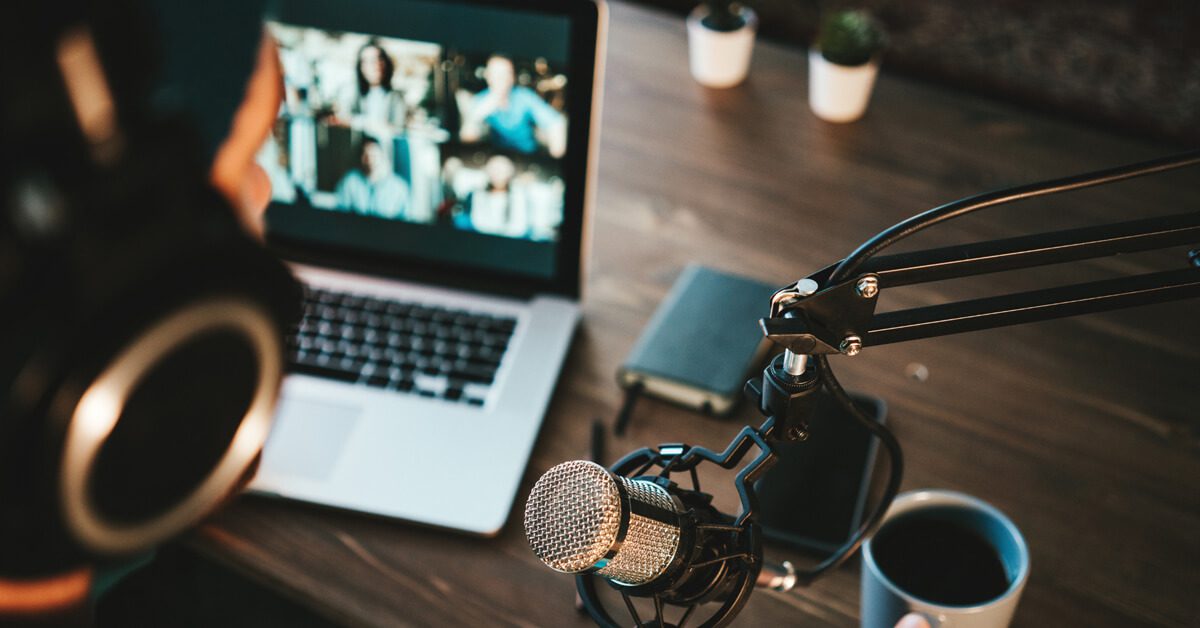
x=309, y=436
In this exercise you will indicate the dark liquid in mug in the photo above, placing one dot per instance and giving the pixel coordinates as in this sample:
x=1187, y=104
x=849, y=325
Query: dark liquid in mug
x=939, y=561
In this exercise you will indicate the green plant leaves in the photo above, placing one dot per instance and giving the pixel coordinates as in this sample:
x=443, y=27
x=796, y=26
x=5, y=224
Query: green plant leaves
x=850, y=38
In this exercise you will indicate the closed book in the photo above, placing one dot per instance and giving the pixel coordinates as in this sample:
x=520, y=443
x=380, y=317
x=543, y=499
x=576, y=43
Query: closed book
x=702, y=342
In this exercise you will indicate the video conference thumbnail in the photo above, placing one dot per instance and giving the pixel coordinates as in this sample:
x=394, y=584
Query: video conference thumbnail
x=411, y=131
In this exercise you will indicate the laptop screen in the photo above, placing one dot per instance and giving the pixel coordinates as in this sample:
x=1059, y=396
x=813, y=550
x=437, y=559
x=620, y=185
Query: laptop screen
x=432, y=132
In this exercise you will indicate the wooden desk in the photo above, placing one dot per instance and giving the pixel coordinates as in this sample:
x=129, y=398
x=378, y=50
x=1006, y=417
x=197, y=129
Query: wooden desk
x=1085, y=431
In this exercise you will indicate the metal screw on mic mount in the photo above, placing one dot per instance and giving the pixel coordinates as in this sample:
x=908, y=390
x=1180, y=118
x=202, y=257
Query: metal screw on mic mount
x=790, y=295
x=806, y=287
x=867, y=287
x=797, y=434
x=851, y=345
x=794, y=363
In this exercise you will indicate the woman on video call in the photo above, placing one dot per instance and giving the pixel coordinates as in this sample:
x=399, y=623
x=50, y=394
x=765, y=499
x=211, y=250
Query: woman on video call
x=499, y=209
x=372, y=103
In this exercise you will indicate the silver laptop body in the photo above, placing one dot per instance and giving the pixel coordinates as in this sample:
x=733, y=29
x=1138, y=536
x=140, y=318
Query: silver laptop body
x=417, y=454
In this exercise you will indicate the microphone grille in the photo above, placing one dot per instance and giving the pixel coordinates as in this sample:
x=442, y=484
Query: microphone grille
x=580, y=517
x=573, y=516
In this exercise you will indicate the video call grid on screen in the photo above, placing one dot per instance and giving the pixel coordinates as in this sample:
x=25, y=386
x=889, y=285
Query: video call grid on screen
x=460, y=133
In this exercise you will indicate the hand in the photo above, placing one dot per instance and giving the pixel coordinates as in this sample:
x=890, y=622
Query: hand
x=234, y=172
x=484, y=107
x=912, y=620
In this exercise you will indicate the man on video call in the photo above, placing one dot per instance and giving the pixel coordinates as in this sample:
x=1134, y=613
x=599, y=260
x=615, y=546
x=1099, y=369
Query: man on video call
x=373, y=188
x=512, y=116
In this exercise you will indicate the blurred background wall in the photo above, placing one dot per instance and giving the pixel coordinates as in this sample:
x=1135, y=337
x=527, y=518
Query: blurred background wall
x=1130, y=66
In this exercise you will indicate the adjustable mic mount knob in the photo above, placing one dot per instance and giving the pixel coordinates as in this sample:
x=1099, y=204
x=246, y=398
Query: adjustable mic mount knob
x=787, y=397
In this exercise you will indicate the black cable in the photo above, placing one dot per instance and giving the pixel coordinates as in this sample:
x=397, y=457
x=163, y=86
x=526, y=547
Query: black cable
x=895, y=475
x=927, y=219
x=626, y=412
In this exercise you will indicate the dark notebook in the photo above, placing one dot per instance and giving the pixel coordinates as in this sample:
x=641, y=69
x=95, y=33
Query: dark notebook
x=698, y=348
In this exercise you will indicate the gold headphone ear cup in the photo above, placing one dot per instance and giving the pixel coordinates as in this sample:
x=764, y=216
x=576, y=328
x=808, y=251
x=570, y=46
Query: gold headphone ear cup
x=169, y=427
x=243, y=481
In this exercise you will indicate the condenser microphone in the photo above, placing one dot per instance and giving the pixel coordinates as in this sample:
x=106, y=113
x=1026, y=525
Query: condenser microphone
x=646, y=535
x=582, y=518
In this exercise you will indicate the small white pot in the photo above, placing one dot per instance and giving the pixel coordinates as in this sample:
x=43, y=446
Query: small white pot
x=720, y=58
x=839, y=93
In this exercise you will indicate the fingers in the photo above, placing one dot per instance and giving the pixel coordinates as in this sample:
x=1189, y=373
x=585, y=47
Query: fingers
x=255, y=196
x=912, y=620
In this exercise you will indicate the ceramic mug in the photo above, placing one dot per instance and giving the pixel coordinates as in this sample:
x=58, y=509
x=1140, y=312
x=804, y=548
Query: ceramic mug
x=950, y=557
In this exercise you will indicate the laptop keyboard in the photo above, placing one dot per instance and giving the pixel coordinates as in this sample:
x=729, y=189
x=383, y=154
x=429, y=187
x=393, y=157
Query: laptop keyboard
x=414, y=348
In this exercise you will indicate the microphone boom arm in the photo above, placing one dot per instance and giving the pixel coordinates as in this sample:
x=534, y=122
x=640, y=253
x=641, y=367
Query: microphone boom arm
x=841, y=318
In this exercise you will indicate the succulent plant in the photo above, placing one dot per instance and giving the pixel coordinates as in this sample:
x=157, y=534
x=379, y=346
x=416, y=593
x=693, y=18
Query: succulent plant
x=850, y=37
x=723, y=16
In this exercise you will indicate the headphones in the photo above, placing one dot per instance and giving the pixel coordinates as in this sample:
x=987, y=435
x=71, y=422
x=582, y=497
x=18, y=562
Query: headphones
x=141, y=331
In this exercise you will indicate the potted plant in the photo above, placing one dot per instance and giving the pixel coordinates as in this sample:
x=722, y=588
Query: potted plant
x=720, y=42
x=842, y=65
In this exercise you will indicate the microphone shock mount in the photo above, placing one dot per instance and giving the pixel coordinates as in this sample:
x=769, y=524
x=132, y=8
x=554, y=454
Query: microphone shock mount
x=721, y=557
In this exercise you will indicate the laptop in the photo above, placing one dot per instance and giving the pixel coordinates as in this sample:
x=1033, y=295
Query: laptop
x=432, y=170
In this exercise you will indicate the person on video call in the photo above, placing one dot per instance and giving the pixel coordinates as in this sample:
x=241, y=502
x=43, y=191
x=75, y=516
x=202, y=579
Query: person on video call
x=512, y=116
x=500, y=208
x=373, y=187
x=372, y=103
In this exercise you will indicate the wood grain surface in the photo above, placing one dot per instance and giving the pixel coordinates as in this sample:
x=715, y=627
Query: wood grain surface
x=1085, y=431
